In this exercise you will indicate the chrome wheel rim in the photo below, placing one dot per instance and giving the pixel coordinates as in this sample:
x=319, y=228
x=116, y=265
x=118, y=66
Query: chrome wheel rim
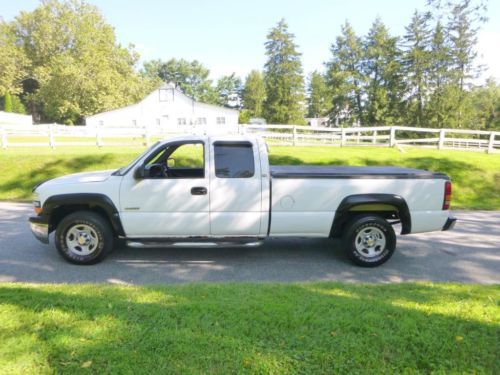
x=81, y=240
x=370, y=242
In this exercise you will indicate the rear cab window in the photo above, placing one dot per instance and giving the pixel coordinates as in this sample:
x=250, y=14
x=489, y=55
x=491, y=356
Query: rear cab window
x=234, y=160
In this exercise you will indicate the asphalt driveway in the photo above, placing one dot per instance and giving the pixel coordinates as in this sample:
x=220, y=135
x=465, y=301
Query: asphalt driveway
x=469, y=253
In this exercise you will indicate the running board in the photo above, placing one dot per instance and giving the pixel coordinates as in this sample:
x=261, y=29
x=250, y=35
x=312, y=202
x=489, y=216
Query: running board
x=162, y=244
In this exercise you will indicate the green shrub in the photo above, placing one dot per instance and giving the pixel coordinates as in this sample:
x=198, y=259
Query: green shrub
x=17, y=105
x=244, y=116
x=13, y=104
x=7, y=103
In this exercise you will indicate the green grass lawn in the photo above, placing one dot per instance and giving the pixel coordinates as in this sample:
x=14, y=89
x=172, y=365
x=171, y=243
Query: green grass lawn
x=476, y=176
x=250, y=328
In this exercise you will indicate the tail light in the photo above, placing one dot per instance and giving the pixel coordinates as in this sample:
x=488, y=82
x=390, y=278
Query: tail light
x=447, y=195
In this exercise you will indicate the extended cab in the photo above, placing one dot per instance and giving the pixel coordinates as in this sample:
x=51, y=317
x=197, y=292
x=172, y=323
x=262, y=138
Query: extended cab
x=210, y=191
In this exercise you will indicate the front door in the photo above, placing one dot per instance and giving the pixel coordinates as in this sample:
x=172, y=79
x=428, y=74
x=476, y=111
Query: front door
x=172, y=199
x=235, y=189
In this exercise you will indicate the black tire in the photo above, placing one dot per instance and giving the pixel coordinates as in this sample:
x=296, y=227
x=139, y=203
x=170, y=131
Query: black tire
x=98, y=225
x=360, y=249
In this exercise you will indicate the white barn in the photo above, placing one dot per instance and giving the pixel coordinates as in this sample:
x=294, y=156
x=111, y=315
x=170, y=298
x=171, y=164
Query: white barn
x=165, y=107
x=8, y=118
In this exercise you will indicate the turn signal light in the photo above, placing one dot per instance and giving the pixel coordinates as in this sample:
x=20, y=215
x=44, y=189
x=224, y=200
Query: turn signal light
x=447, y=195
x=37, y=207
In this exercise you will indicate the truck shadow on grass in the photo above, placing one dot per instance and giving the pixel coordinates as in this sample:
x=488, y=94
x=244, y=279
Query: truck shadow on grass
x=255, y=328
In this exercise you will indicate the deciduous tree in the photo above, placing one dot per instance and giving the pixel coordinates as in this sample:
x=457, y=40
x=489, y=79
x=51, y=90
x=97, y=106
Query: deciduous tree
x=76, y=62
x=229, y=89
x=13, y=61
x=190, y=76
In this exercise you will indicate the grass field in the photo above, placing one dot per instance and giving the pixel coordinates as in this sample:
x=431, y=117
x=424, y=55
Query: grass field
x=476, y=176
x=250, y=328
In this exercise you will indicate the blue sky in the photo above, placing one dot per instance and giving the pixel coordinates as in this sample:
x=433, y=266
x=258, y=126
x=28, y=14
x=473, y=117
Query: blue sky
x=228, y=36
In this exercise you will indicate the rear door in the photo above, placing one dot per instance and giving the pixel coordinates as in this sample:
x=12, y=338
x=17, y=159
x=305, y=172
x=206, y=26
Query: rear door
x=235, y=189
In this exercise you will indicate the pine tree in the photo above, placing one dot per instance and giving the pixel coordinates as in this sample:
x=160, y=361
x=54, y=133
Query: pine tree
x=462, y=30
x=345, y=77
x=283, y=78
x=437, y=110
x=254, y=94
x=416, y=67
x=318, y=99
x=463, y=26
x=384, y=71
x=453, y=107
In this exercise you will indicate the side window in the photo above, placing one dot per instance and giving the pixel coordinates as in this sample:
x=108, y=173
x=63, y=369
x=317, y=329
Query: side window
x=178, y=161
x=190, y=155
x=234, y=160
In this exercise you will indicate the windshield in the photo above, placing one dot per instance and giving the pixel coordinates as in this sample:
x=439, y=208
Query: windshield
x=123, y=170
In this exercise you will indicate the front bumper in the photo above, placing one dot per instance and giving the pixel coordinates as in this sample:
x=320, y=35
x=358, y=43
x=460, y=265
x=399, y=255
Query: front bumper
x=40, y=229
x=450, y=223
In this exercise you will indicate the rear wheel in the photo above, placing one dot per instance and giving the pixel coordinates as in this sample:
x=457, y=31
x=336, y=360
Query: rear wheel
x=369, y=240
x=84, y=237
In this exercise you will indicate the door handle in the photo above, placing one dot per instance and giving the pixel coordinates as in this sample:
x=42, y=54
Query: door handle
x=199, y=190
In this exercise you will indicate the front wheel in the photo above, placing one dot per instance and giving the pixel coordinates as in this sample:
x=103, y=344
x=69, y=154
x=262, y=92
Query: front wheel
x=369, y=240
x=84, y=237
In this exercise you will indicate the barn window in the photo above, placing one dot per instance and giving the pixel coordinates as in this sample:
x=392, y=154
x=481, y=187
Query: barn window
x=181, y=121
x=134, y=122
x=166, y=95
x=101, y=123
x=220, y=120
x=158, y=121
x=202, y=121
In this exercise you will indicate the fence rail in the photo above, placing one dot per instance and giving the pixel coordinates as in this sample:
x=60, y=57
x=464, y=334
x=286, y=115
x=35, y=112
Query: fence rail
x=55, y=135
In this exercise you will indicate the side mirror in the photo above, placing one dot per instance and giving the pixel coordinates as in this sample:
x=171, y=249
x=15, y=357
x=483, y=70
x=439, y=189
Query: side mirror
x=140, y=172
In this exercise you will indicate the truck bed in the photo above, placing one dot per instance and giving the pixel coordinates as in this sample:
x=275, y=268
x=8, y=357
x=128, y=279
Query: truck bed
x=313, y=171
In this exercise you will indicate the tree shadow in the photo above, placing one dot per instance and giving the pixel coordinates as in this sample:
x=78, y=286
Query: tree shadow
x=471, y=183
x=22, y=183
x=301, y=328
x=473, y=187
x=284, y=160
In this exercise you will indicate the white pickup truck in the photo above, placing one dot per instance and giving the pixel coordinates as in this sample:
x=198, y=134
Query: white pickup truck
x=211, y=191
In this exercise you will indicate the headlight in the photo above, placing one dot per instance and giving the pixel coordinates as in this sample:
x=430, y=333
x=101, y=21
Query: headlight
x=37, y=207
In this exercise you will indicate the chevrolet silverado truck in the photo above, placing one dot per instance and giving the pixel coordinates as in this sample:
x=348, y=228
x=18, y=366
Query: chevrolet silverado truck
x=220, y=190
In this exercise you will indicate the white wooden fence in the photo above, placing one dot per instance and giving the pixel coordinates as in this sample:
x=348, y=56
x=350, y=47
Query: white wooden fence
x=59, y=135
